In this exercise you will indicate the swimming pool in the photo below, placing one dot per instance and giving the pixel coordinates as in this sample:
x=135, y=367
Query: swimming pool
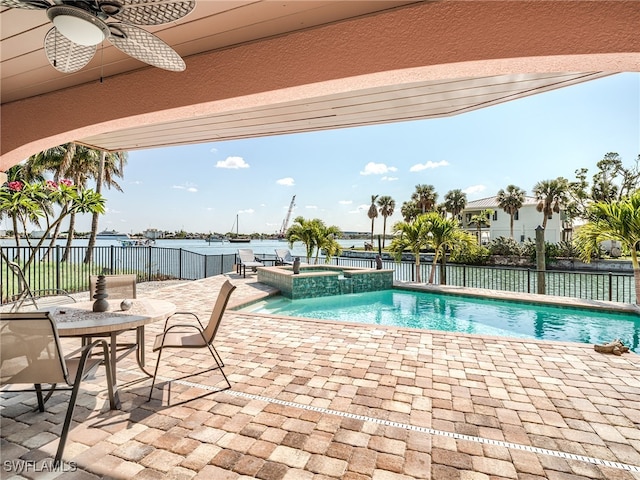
x=455, y=313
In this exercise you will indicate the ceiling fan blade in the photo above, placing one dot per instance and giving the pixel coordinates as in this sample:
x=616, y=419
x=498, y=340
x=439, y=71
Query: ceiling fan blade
x=145, y=46
x=26, y=4
x=64, y=55
x=151, y=12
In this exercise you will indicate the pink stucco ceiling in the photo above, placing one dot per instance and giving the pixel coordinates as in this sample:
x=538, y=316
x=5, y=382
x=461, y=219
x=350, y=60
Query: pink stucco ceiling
x=410, y=46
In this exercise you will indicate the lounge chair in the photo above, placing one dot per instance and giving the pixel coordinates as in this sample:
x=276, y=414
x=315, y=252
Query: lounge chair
x=31, y=354
x=247, y=259
x=37, y=299
x=191, y=335
x=284, y=257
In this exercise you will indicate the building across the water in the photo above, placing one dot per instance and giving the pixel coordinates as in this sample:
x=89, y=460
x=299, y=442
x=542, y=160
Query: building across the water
x=153, y=234
x=525, y=222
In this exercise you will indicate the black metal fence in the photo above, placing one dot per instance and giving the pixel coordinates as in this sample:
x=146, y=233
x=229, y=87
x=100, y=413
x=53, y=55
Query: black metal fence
x=72, y=275
x=616, y=287
x=155, y=263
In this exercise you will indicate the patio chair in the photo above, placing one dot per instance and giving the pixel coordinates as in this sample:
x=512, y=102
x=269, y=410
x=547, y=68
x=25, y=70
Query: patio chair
x=30, y=353
x=118, y=286
x=190, y=335
x=37, y=299
x=247, y=259
x=284, y=257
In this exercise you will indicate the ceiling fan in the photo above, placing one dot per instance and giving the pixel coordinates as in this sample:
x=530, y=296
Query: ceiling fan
x=79, y=26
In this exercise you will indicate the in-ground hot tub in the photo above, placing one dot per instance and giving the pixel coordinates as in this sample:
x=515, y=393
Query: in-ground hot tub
x=324, y=280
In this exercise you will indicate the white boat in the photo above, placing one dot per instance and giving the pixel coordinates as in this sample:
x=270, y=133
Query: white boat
x=38, y=234
x=214, y=239
x=138, y=242
x=238, y=238
x=112, y=235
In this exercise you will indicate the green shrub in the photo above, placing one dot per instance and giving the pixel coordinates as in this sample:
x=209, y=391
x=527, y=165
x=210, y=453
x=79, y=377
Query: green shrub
x=470, y=255
x=551, y=251
x=504, y=246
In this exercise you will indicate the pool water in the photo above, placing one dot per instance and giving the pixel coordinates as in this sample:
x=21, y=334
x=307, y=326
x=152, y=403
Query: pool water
x=454, y=313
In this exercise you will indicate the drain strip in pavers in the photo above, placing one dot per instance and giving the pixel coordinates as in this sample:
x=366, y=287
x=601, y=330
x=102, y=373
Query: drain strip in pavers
x=405, y=426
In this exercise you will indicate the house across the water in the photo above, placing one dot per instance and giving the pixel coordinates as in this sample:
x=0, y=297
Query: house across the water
x=525, y=222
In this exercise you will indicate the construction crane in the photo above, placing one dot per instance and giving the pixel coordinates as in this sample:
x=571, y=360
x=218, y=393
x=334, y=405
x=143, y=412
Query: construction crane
x=285, y=223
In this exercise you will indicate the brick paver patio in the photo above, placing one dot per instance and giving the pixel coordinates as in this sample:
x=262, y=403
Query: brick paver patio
x=325, y=400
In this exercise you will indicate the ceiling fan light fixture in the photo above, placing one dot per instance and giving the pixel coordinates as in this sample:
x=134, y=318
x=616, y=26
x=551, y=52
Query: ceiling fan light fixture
x=77, y=25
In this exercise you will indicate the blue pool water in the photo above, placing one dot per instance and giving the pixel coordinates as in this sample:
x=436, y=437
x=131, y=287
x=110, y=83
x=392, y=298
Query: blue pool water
x=453, y=313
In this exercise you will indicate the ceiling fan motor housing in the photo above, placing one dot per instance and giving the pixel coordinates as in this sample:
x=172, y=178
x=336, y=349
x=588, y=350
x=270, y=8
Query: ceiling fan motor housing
x=78, y=25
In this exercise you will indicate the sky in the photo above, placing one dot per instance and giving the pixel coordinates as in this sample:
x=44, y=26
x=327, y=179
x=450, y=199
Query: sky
x=203, y=187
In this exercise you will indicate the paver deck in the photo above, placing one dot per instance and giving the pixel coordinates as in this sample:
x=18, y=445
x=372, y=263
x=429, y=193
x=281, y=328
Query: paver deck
x=326, y=400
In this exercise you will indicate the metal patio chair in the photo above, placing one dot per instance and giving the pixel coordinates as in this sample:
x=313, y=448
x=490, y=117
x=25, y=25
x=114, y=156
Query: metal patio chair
x=30, y=353
x=195, y=335
x=37, y=299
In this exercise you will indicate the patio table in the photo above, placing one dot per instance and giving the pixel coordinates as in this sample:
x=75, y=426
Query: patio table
x=79, y=320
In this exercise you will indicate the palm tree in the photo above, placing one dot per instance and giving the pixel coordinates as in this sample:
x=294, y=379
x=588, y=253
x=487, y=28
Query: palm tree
x=409, y=210
x=110, y=165
x=412, y=236
x=326, y=240
x=23, y=173
x=303, y=231
x=455, y=201
x=55, y=160
x=482, y=219
x=425, y=196
x=444, y=234
x=618, y=220
x=372, y=213
x=81, y=164
x=551, y=195
x=387, y=206
x=511, y=201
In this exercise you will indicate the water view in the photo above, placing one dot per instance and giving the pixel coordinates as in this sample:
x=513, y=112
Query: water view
x=259, y=247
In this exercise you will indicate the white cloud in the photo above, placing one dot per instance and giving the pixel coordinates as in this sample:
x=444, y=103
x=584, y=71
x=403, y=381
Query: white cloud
x=247, y=210
x=389, y=179
x=424, y=166
x=312, y=207
x=345, y=202
x=136, y=182
x=474, y=189
x=187, y=186
x=232, y=162
x=360, y=209
x=287, y=182
x=373, y=168
x=213, y=150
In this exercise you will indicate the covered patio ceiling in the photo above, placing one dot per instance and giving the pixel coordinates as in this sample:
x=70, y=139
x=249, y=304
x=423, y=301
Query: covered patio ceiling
x=369, y=106
x=405, y=75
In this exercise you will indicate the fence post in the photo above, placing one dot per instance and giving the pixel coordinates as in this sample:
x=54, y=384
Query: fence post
x=610, y=287
x=58, y=267
x=149, y=272
x=111, y=261
x=528, y=280
x=464, y=275
x=180, y=264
